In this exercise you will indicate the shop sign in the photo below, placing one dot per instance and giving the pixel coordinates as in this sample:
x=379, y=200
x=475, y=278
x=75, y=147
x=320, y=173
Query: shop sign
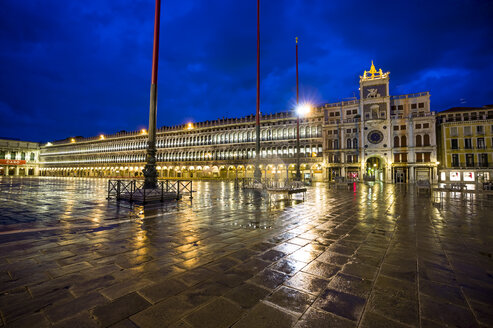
x=468, y=176
x=454, y=176
x=12, y=161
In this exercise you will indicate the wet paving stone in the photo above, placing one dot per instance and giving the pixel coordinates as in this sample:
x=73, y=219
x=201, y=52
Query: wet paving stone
x=220, y=313
x=269, y=278
x=119, y=309
x=314, y=318
x=289, y=267
x=321, y=269
x=265, y=316
x=162, y=290
x=162, y=314
x=291, y=299
x=357, y=269
x=82, y=320
x=247, y=295
x=398, y=309
x=373, y=320
x=341, y=304
x=351, y=285
x=446, y=314
x=380, y=256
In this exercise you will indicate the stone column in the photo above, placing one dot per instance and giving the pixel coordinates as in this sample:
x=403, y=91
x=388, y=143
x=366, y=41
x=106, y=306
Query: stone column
x=411, y=174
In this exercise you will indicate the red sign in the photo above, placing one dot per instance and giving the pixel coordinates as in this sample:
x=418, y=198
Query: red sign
x=12, y=161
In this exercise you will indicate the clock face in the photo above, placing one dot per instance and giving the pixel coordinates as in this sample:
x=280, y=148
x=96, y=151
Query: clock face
x=375, y=137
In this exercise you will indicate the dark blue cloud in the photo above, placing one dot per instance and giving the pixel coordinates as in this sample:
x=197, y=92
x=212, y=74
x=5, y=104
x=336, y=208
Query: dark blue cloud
x=83, y=67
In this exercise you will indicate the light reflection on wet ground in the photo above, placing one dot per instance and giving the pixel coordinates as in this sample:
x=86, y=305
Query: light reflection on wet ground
x=370, y=255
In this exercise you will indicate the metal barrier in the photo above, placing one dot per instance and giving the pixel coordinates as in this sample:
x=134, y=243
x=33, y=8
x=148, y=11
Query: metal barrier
x=133, y=190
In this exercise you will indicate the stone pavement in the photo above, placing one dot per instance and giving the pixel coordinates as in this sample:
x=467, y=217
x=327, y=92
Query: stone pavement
x=376, y=256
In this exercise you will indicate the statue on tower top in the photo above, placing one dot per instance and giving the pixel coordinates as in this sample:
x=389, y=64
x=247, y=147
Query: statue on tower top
x=373, y=74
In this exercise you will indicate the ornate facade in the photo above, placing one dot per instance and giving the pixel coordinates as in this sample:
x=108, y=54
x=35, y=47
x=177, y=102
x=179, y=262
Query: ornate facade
x=18, y=158
x=223, y=148
x=378, y=137
x=381, y=137
x=465, y=137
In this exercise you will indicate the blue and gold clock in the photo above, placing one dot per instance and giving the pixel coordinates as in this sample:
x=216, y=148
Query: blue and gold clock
x=375, y=137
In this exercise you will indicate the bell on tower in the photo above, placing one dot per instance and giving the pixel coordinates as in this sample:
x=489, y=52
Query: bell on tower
x=373, y=74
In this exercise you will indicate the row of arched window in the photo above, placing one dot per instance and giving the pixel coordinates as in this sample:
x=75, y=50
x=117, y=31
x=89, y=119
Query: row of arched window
x=16, y=155
x=236, y=154
x=196, y=140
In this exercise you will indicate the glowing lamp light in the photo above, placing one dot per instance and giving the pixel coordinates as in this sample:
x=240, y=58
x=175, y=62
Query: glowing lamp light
x=375, y=165
x=303, y=109
x=143, y=131
x=72, y=140
x=49, y=144
x=189, y=126
x=101, y=137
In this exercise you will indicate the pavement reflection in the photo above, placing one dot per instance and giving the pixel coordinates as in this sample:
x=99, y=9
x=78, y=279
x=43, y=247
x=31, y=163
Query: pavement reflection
x=368, y=255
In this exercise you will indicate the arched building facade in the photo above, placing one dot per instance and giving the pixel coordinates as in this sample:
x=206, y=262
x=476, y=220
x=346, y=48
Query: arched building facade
x=223, y=149
x=376, y=137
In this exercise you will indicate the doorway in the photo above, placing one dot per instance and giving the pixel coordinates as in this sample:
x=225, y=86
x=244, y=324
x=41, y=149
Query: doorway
x=375, y=169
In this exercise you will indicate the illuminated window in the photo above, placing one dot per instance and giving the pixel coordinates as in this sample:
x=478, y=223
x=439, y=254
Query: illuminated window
x=469, y=176
x=454, y=176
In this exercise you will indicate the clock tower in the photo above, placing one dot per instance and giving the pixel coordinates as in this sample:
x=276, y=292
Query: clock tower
x=376, y=150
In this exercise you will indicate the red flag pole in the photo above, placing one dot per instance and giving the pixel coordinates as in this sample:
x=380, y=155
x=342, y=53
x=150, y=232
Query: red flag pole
x=258, y=173
x=298, y=172
x=149, y=171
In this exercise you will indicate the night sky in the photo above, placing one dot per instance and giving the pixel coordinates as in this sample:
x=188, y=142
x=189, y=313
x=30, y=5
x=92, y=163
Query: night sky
x=81, y=68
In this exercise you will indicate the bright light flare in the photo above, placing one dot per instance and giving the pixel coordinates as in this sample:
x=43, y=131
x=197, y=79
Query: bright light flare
x=303, y=109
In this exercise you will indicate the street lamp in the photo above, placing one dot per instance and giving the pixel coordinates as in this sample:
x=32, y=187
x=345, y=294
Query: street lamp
x=301, y=110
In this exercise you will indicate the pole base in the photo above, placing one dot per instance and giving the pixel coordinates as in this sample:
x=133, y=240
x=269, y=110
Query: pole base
x=257, y=174
x=150, y=175
x=297, y=177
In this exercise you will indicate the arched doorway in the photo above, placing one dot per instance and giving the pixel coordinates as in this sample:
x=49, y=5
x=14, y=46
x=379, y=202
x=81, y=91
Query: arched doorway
x=375, y=169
